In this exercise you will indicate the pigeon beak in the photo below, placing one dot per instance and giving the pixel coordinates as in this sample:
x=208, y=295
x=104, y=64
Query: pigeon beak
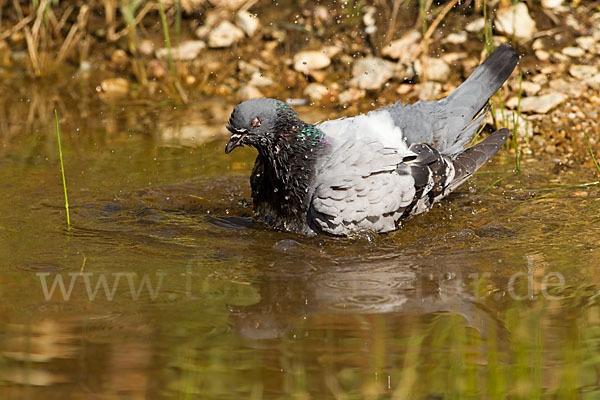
x=236, y=139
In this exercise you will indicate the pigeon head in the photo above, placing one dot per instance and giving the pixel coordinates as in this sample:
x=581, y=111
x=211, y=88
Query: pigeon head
x=256, y=122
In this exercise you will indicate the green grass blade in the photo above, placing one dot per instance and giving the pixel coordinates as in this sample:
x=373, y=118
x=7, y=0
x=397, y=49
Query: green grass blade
x=587, y=141
x=62, y=170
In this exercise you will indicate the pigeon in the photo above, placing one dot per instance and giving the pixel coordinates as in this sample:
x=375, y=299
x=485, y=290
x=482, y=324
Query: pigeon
x=372, y=171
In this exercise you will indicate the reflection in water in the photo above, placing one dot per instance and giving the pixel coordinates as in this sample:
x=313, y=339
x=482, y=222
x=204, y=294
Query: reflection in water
x=242, y=311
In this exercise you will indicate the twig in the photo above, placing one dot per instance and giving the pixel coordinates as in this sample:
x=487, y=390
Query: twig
x=17, y=27
x=392, y=26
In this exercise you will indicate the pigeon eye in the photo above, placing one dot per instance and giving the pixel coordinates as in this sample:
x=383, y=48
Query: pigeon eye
x=255, y=122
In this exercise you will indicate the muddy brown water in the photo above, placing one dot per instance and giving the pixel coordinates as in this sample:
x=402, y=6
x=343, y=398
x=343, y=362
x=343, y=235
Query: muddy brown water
x=171, y=290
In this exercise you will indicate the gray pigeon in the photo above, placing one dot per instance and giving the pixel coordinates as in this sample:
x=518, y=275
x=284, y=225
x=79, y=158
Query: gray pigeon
x=371, y=171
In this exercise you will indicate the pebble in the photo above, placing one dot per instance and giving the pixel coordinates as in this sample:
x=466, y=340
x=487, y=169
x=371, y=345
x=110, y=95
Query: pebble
x=477, y=25
x=157, y=69
x=113, y=89
x=259, y=80
x=515, y=20
x=146, y=47
x=351, y=95
x=119, y=59
x=594, y=82
x=248, y=92
x=316, y=91
x=403, y=48
x=187, y=50
x=248, y=22
x=542, y=55
x=552, y=3
x=542, y=104
x=306, y=61
x=586, y=42
x=371, y=73
x=436, y=69
x=456, y=38
x=428, y=90
x=574, y=52
x=571, y=88
x=224, y=35
x=528, y=88
x=583, y=71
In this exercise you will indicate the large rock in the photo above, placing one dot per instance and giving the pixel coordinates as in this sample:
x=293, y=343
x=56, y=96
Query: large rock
x=187, y=50
x=306, y=61
x=403, y=48
x=371, y=72
x=224, y=35
x=515, y=20
x=542, y=104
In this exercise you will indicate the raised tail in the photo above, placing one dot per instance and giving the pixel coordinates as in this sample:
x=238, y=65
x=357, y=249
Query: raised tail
x=450, y=123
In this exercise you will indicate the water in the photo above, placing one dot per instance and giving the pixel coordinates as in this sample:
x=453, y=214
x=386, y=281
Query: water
x=492, y=294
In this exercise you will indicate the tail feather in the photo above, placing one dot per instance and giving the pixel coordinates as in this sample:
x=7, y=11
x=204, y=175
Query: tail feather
x=450, y=123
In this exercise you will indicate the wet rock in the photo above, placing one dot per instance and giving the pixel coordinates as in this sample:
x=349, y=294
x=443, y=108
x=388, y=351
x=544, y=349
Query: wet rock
x=594, y=82
x=371, y=73
x=318, y=76
x=586, y=42
x=573, y=52
x=542, y=55
x=259, y=80
x=224, y=35
x=113, y=89
x=456, y=38
x=515, y=20
x=119, y=59
x=428, y=90
x=528, y=88
x=146, y=47
x=369, y=19
x=248, y=22
x=247, y=68
x=306, y=61
x=403, y=48
x=583, y=71
x=331, y=51
x=435, y=69
x=157, y=69
x=477, y=25
x=404, y=88
x=229, y=4
x=248, y=92
x=542, y=104
x=351, y=95
x=552, y=3
x=316, y=91
x=287, y=245
x=187, y=50
x=571, y=88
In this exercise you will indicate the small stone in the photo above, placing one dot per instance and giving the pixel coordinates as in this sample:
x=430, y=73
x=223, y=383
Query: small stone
x=186, y=50
x=316, y=91
x=594, y=82
x=224, y=35
x=403, y=48
x=247, y=68
x=229, y=4
x=305, y=61
x=157, y=69
x=428, y=90
x=585, y=42
x=571, y=88
x=351, y=95
x=119, y=59
x=538, y=44
x=248, y=22
x=318, y=76
x=453, y=58
x=552, y=3
x=574, y=52
x=583, y=71
x=258, y=80
x=515, y=20
x=477, y=25
x=542, y=104
x=528, y=88
x=248, y=92
x=321, y=13
x=437, y=70
x=113, y=89
x=331, y=51
x=580, y=194
x=456, y=38
x=146, y=47
x=404, y=88
x=542, y=55
x=371, y=73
